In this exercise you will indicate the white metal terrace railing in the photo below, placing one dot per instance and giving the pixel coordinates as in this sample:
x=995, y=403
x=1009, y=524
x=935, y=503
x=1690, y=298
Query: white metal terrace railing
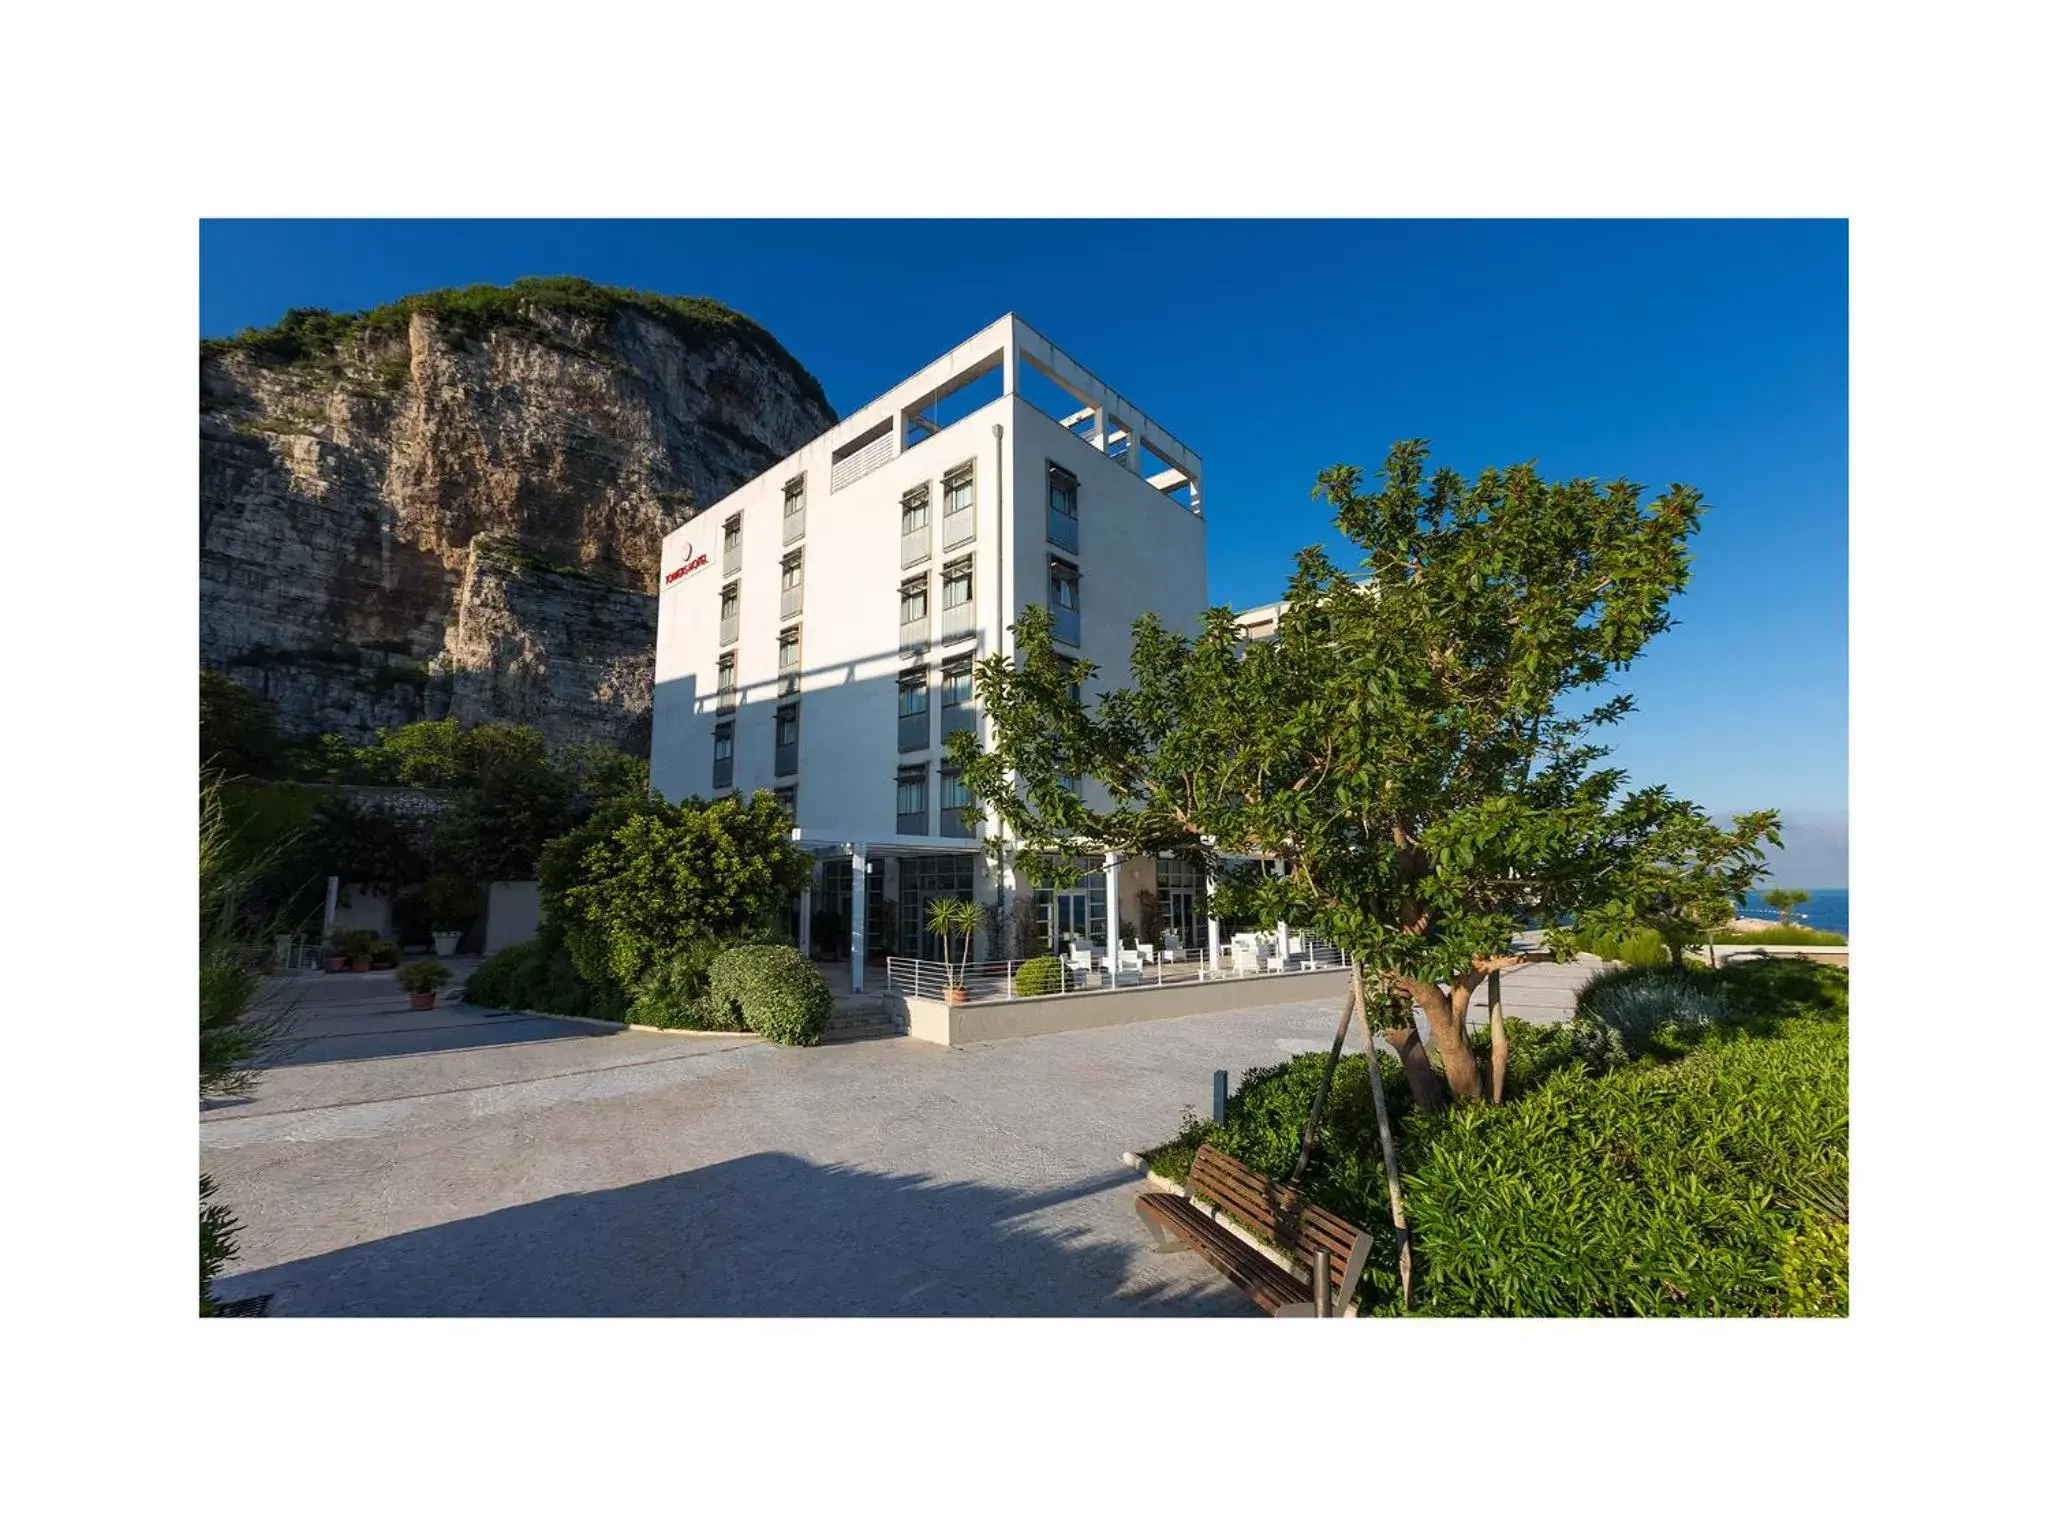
x=996, y=980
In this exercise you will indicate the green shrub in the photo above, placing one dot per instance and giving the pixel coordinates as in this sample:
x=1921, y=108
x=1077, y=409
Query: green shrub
x=1666, y=1186
x=1813, y=1263
x=771, y=990
x=1643, y=948
x=643, y=878
x=218, y=1246
x=510, y=978
x=1038, y=976
x=1621, y=1011
x=1780, y=933
x=674, y=994
x=422, y=976
x=385, y=952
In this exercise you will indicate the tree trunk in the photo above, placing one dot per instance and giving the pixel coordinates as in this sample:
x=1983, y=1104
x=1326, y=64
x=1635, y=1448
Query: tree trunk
x=1496, y=1024
x=1446, y=1017
x=1315, y=1112
x=1387, y=1150
x=1424, y=1086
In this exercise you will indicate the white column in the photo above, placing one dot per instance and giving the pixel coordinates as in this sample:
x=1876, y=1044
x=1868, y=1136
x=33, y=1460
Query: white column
x=1280, y=933
x=803, y=923
x=1215, y=928
x=857, y=940
x=1112, y=867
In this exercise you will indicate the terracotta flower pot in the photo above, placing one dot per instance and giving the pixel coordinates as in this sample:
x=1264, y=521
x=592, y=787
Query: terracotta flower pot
x=420, y=1000
x=956, y=994
x=337, y=962
x=359, y=965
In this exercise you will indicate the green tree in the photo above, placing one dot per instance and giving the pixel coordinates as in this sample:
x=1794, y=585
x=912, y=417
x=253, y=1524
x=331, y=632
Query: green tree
x=951, y=918
x=238, y=735
x=1786, y=900
x=1411, y=748
x=642, y=878
x=1680, y=872
x=501, y=818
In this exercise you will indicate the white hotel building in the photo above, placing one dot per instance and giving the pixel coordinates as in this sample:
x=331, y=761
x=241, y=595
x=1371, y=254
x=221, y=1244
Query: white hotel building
x=818, y=625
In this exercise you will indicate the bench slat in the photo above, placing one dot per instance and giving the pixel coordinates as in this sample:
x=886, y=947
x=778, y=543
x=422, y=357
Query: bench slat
x=1266, y=1285
x=1275, y=1214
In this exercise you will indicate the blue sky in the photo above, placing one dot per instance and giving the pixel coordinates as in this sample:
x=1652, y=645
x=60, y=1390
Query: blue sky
x=1714, y=353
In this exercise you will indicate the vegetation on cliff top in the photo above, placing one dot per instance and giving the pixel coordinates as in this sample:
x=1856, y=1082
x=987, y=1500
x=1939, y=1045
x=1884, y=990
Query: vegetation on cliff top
x=309, y=334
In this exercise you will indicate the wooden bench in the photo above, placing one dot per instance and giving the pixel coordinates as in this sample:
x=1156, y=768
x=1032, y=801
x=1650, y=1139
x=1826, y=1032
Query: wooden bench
x=1276, y=1216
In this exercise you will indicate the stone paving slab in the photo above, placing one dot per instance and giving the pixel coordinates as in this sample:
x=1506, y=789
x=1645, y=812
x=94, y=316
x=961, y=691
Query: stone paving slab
x=647, y=1175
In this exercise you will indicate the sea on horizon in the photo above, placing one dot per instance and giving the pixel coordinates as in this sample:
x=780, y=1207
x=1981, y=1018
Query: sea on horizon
x=1827, y=910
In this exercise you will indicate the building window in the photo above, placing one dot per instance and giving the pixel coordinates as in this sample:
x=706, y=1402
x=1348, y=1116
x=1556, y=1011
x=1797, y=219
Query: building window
x=1064, y=590
x=1063, y=508
x=793, y=510
x=792, y=585
x=729, y=614
x=732, y=543
x=728, y=682
x=917, y=525
x=955, y=805
x=789, y=660
x=912, y=815
x=721, y=755
x=914, y=612
x=956, y=698
x=957, y=595
x=786, y=798
x=785, y=741
x=959, y=585
x=959, y=507
x=913, y=712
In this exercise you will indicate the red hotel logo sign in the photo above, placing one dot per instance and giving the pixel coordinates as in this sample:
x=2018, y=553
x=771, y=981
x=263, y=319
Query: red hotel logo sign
x=691, y=562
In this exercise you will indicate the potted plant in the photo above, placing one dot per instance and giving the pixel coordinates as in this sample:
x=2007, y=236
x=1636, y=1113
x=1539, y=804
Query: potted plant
x=453, y=905
x=357, y=944
x=948, y=918
x=384, y=954
x=421, y=980
x=336, y=958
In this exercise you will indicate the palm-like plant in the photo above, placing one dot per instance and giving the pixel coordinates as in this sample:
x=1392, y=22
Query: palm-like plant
x=948, y=918
x=1784, y=899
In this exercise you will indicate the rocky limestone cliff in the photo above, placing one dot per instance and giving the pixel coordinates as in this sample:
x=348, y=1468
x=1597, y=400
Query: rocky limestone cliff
x=455, y=505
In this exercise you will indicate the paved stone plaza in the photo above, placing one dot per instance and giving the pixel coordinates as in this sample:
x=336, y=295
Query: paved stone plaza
x=464, y=1163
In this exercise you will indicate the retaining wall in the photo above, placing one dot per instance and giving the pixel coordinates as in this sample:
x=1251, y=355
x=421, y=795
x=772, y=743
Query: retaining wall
x=1099, y=1007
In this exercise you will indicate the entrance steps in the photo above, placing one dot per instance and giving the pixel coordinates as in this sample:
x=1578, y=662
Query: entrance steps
x=868, y=1017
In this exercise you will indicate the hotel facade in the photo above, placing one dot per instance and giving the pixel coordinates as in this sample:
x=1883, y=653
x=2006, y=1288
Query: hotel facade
x=818, y=628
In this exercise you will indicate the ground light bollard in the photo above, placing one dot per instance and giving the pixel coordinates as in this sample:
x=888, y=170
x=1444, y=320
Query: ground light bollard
x=1219, y=1095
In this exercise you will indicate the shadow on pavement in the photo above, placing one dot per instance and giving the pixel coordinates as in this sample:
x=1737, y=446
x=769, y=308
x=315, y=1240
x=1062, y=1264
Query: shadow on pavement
x=767, y=1235
x=364, y=1035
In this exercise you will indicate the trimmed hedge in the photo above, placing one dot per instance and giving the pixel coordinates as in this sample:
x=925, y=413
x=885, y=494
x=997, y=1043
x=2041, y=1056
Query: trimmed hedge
x=1038, y=976
x=1668, y=1186
x=771, y=990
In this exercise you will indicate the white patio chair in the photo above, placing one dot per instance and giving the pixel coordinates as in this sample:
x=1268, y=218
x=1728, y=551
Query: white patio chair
x=1079, y=961
x=1170, y=947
